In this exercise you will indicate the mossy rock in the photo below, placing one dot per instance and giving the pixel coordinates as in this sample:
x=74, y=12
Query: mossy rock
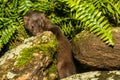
x=90, y=51
x=35, y=59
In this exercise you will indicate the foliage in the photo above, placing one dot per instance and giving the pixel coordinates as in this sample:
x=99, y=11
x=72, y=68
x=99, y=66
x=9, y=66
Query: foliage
x=93, y=15
x=10, y=21
x=69, y=29
x=110, y=8
x=61, y=15
x=92, y=18
x=11, y=18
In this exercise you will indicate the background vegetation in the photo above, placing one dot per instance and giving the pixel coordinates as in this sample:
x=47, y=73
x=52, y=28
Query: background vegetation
x=73, y=16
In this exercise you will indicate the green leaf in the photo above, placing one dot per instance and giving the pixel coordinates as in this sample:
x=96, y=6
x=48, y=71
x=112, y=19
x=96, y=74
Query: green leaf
x=110, y=8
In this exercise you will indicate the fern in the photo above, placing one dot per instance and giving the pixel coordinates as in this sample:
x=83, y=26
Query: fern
x=68, y=29
x=92, y=19
x=7, y=32
x=24, y=6
x=10, y=21
x=111, y=8
x=43, y=6
x=11, y=17
x=12, y=11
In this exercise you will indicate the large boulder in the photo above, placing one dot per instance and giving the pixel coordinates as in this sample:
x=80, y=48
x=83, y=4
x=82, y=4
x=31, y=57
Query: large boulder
x=91, y=51
x=33, y=60
x=96, y=75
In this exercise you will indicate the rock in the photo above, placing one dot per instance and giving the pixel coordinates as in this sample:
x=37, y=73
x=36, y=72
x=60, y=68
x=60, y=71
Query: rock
x=34, y=59
x=91, y=51
x=96, y=75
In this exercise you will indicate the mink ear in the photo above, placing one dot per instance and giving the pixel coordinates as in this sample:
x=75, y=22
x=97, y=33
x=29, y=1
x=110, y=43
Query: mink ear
x=26, y=19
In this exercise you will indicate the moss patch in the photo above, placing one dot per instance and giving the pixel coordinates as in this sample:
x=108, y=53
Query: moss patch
x=26, y=55
x=51, y=70
x=82, y=35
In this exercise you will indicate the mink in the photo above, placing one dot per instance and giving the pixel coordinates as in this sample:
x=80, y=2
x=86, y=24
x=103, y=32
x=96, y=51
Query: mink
x=37, y=22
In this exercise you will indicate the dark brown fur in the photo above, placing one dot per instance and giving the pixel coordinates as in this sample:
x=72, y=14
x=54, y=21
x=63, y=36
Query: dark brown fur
x=36, y=22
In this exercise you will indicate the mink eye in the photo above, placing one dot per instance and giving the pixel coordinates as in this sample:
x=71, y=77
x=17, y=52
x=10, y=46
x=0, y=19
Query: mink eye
x=32, y=26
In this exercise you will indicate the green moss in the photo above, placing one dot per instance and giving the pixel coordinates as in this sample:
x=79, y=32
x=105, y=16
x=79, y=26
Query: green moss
x=26, y=55
x=81, y=36
x=49, y=48
x=51, y=69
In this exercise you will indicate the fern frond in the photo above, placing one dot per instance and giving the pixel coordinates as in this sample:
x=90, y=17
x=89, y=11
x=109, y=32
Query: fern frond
x=111, y=8
x=68, y=29
x=24, y=6
x=6, y=32
x=42, y=5
x=92, y=19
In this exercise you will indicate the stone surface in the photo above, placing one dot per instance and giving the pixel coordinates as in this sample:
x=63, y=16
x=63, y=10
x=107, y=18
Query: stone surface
x=93, y=52
x=96, y=75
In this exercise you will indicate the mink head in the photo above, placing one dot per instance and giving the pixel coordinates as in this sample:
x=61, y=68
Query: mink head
x=36, y=22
